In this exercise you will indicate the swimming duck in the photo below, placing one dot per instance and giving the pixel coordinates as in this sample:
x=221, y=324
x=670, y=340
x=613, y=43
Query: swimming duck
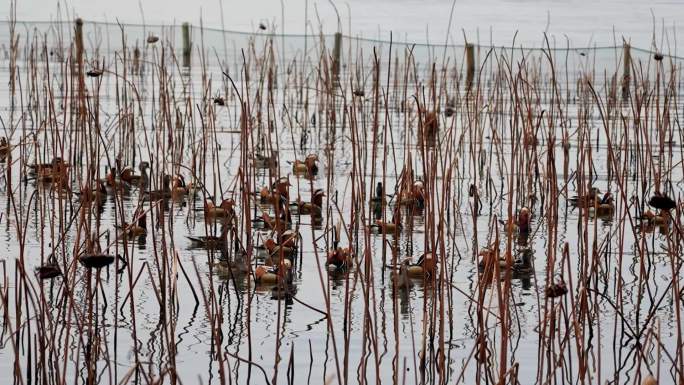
x=224, y=210
x=662, y=202
x=4, y=148
x=339, y=259
x=51, y=172
x=280, y=192
x=307, y=166
x=57, y=163
x=227, y=266
x=127, y=175
x=311, y=208
x=49, y=270
x=276, y=225
x=179, y=189
x=586, y=201
x=650, y=221
x=270, y=275
x=388, y=227
x=266, y=161
x=97, y=194
x=139, y=227
x=275, y=251
x=379, y=197
x=401, y=278
x=519, y=225
x=210, y=242
x=521, y=265
x=274, y=248
x=649, y=380
x=415, y=196
x=426, y=266
x=663, y=218
x=164, y=193
x=606, y=207
x=289, y=238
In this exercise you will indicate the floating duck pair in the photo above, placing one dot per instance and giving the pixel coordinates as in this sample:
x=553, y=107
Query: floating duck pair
x=424, y=267
x=226, y=210
x=339, y=259
x=279, y=193
x=276, y=224
x=415, y=196
x=210, y=242
x=307, y=166
x=605, y=207
x=54, y=171
x=601, y=206
x=264, y=274
x=95, y=194
x=128, y=175
x=662, y=217
x=520, y=224
x=274, y=251
x=266, y=161
x=283, y=246
x=310, y=208
x=590, y=199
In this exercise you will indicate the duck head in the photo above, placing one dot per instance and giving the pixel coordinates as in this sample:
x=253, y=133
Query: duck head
x=228, y=204
x=317, y=197
x=523, y=220
x=166, y=182
x=270, y=244
x=178, y=181
x=288, y=238
x=208, y=204
x=419, y=191
x=607, y=198
x=311, y=159
x=282, y=186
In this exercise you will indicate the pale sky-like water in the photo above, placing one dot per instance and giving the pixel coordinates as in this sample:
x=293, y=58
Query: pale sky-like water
x=584, y=22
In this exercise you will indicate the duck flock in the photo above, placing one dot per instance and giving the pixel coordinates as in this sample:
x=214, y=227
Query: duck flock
x=386, y=216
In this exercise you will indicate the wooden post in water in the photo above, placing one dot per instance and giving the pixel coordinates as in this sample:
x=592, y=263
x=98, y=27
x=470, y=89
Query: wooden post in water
x=337, y=50
x=187, y=45
x=627, y=70
x=136, y=60
x=78, y=41
x=470, y=65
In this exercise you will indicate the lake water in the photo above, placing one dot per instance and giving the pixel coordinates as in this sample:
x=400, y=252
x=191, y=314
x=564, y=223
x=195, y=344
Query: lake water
x=623, y=282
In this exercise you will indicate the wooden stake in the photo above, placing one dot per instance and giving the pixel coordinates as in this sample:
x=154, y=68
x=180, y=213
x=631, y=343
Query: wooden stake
x=470, y=65
x=187, y=45
x=627, y=58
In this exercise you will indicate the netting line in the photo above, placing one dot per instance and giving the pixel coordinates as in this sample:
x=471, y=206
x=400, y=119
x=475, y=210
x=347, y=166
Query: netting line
x=345, y=36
